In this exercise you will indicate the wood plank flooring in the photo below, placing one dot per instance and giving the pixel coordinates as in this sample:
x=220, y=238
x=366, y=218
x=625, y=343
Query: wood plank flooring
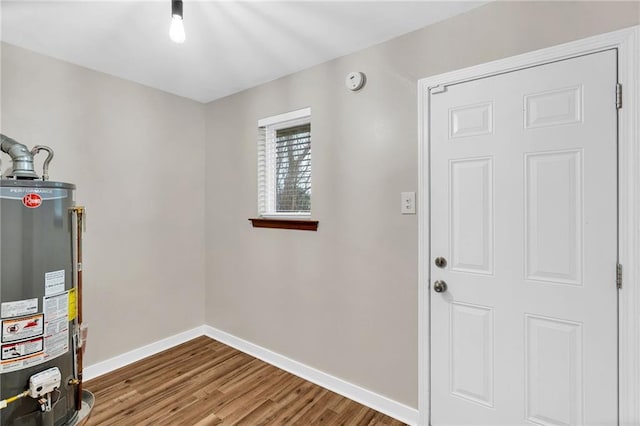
x=204, y=382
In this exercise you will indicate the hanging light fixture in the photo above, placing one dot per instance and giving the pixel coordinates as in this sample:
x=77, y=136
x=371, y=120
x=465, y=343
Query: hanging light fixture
x=176, y=31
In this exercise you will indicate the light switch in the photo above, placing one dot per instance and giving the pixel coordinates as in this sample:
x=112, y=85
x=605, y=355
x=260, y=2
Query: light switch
x=408, y=202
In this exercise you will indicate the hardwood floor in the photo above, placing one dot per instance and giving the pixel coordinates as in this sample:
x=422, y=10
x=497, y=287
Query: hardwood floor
x=204, y=382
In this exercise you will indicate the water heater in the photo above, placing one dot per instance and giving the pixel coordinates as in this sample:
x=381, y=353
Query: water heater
x=40, y=295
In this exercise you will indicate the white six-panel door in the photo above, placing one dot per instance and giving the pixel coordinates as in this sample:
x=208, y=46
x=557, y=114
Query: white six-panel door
x=524, y=212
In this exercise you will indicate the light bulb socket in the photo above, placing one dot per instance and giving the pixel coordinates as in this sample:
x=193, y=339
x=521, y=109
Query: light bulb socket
x=176, y=8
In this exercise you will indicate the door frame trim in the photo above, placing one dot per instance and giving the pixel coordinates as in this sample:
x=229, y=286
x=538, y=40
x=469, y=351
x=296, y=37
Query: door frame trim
x=627, y=41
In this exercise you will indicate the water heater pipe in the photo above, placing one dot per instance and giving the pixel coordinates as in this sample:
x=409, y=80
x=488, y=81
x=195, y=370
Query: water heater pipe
x=78, y=213
x=5, y=402
x=45, y=168
x=21, y=157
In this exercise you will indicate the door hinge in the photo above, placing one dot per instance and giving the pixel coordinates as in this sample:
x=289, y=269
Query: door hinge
x=618, y=275
x=618, y=95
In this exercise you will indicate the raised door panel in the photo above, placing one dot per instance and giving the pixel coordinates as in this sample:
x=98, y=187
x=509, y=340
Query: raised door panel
x=472, y=348
x=471, y=215
x=553, y=217
x=553, y=367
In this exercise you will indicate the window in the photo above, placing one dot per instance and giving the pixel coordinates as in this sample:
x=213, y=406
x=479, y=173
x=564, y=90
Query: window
x=284, y=165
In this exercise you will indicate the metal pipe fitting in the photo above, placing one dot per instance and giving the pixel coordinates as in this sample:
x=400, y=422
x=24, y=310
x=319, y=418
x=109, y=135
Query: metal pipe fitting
x=20, y=156
x=45, y=167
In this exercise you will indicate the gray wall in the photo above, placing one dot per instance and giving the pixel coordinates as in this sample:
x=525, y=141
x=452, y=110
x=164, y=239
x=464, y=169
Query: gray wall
x=346, y=301
x=135, y=154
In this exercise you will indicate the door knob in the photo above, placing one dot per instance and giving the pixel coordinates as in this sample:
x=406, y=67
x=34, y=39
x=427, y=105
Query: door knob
x=440, y=286
x=440, y=262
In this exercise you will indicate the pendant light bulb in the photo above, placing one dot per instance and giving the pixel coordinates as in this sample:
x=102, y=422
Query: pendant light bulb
x=176, y=31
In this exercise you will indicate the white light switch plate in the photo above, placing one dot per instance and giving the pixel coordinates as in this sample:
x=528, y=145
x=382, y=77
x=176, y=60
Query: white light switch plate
x=408, y=202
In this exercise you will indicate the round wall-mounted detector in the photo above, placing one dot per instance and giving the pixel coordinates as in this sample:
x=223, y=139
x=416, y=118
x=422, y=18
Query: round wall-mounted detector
x=355, y=80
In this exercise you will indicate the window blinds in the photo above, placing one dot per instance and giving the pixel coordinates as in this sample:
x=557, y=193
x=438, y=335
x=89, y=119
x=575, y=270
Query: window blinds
x=284, y=168
x=293, y=169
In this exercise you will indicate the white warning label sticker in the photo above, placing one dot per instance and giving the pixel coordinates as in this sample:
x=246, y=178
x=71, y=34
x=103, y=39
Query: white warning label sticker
x=53, y=282
x=22, y=328
x=21, y=355
x=12, y=351
x=19, y=308
x=56, y=326
x=30, y=349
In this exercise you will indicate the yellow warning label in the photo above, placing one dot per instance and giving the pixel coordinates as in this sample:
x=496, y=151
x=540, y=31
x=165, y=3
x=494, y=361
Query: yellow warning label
x=73, y=309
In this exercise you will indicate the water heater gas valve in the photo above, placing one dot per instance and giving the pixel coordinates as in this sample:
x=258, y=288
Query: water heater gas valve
x=44, y=382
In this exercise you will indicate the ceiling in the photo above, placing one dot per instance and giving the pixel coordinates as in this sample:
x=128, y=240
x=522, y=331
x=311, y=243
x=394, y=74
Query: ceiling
x=230, y=45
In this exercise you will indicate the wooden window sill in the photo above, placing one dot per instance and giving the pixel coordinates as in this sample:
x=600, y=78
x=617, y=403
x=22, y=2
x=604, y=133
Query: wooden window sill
x=303, y=225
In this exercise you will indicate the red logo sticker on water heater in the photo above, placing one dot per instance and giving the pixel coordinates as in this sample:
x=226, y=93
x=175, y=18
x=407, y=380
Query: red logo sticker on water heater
x=32, y=201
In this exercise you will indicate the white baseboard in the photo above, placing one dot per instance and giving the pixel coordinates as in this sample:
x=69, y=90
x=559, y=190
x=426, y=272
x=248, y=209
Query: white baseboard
x=363, y=396
x=95, y=370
